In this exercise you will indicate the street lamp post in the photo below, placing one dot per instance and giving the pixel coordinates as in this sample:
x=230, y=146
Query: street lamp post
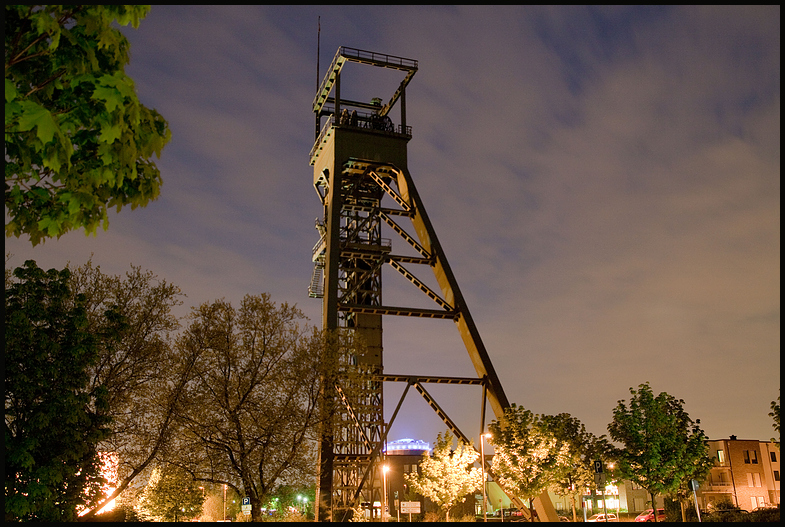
x=618, y=492
x=482, y=464
x=385, y=468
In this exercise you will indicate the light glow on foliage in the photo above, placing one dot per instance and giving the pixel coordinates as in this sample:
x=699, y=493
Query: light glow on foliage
x=109, y=463
x=529, y=457
x=447, y=476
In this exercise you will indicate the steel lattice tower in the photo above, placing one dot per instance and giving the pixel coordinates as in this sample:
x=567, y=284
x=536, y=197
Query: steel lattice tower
x=362, y=179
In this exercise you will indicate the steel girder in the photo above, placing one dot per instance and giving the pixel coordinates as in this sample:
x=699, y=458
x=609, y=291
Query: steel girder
x=398, y=185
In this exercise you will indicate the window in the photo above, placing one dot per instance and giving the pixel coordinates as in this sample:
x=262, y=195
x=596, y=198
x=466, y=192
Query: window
x=773, y=456
x=756, y=479
x=750, y=482
x=721, y=456
x=747, y=457
x=754, y=456
x=776, y=475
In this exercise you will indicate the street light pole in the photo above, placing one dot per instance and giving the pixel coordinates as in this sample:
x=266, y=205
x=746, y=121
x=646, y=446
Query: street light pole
x=618, y=492
x=482, y=464
x=385, y=468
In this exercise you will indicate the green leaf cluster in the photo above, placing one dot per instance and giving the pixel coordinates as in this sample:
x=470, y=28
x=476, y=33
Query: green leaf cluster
x=172, y=495
x=53, y=422
x=662, y=448
x=77, y=138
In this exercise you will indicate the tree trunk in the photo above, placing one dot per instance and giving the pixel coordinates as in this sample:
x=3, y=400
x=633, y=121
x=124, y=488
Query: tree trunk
x=574, y=514
x=653, y=506
x=256, y=504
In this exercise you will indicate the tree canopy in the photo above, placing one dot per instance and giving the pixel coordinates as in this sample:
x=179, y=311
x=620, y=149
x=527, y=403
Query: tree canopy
x=77, y=139
x=529, y=456
x=662, y=448
x=447, y=476
x=140, y=369
x=53, y=419
x=575, y=472
x=171, y=495
x=249, y=411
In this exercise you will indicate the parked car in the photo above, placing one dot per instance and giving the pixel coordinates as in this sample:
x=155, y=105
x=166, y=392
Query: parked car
x=603, y=518
x=648, y=516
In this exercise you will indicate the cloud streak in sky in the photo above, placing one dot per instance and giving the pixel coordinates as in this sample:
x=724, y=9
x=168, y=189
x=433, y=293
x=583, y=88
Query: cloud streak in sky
x=604, y=181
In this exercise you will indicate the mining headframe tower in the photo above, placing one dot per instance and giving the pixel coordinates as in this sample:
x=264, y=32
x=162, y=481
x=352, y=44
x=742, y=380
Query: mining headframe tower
x=361, y=176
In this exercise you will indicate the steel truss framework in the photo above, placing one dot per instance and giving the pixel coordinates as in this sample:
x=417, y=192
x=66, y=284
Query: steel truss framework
x=361, y=431
x=361, y=194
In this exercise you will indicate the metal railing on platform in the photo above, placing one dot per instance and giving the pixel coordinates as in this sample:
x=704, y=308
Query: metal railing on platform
x=399, y=130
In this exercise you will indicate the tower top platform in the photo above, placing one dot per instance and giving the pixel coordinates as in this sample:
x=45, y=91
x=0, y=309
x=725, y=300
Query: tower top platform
x=371, y=58
x=366, y=116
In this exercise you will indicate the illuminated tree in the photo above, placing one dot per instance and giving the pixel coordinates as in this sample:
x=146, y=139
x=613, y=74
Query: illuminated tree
x=171, y=495
x=77, y=139
x=529, y=457
x=662, y=448
x=53, y=420
x=577, y=470
x=447, y=476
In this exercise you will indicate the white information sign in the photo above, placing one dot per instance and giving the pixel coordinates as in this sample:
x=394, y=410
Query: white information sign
x=410, y=507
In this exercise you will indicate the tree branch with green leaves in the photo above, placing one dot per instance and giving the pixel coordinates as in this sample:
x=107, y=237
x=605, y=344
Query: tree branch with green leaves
x=662, y=448
x=77, y=139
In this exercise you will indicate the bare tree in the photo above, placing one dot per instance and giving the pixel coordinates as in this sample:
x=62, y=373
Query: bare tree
x=249, y=413
x=143, y=375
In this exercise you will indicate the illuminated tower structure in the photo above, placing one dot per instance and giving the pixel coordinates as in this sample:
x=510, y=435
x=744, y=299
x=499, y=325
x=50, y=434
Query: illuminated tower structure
x=361, y=176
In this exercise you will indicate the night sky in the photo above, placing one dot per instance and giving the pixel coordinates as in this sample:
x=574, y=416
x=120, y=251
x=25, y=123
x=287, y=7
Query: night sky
x=605, y=183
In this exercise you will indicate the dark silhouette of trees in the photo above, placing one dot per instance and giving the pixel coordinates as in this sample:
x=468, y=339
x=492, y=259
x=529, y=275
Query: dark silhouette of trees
x=54, y=417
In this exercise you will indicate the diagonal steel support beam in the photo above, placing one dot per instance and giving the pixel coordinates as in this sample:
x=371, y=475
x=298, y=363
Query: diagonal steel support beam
x=377, y=450
x=405, y=235
x=388, y=189
x=424, y=288
x=349, y=409
x=441, y=413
